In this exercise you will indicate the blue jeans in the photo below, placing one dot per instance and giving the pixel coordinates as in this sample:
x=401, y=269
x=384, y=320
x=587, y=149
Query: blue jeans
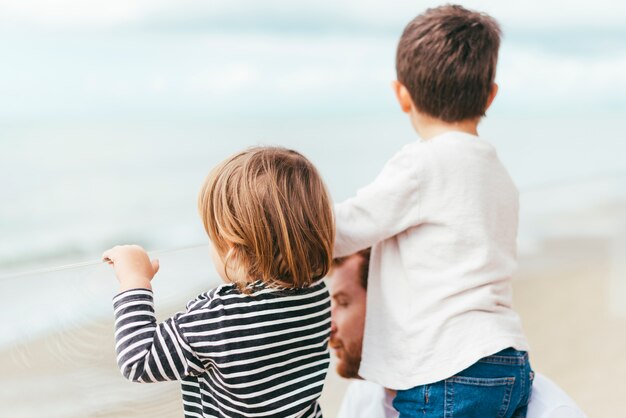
x=497, y=386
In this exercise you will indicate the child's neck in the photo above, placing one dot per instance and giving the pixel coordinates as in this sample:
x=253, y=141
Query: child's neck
x=428, y=127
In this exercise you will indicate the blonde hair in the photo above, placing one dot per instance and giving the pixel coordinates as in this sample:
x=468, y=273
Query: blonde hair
x=267, y=210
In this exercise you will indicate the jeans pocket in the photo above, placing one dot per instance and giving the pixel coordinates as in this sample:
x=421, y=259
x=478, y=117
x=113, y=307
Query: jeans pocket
x=478, y=397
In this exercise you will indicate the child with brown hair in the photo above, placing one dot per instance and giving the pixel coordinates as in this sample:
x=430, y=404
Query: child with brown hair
x=442, y=220
x=257, y=345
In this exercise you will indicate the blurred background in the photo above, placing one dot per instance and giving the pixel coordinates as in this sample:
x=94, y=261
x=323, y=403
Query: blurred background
x=113, y=112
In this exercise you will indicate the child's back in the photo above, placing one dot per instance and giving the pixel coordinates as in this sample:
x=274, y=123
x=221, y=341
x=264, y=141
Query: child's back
x=442, y=220
x=237, y=354
x=439, y=278
x=257, y=346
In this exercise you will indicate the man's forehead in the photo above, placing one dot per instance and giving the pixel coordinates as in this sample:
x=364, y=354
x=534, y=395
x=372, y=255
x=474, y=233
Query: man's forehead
x=346, y=277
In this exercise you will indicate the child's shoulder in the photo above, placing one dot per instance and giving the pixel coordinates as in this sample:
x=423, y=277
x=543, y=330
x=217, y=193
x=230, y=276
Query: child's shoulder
x=407, y=157
x=255, y=292
x=452, y=147
x=220, y=304
x=423, y=151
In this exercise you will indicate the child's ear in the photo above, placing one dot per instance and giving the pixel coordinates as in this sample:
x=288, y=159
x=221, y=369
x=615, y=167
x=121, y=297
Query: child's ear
x=492, y=95
x=403, y=96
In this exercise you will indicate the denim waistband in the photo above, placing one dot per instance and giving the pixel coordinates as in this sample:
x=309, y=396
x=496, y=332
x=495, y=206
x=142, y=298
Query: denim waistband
x=508, y=356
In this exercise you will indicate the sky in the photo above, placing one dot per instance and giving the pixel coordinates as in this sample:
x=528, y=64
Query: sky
x=368, y=13
x=68, y=60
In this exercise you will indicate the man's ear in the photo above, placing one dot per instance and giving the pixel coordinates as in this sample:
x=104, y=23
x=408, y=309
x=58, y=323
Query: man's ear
x=403, y=96
x=492, y=95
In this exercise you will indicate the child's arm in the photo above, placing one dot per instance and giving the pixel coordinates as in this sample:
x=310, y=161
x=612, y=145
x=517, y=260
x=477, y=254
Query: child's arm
x=146, y=352
x=382, y=209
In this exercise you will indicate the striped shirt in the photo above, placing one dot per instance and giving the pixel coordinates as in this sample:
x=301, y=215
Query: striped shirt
x=260, y=354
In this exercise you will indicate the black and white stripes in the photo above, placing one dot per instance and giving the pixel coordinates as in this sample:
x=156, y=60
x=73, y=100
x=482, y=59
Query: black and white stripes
x=257, y=354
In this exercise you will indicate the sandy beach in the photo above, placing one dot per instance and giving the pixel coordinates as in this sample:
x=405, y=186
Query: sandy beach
x=566, y=296
x=73, y=375
x=576, y=333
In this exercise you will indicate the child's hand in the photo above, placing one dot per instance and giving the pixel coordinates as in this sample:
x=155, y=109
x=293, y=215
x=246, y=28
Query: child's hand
x=132, y=265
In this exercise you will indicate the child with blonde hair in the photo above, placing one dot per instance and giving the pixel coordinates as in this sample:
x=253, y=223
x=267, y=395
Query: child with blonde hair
x=258, y=344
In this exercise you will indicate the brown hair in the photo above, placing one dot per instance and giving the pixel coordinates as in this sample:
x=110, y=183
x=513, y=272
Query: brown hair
x=267, y=211
x=364, y=267
x=447, y=59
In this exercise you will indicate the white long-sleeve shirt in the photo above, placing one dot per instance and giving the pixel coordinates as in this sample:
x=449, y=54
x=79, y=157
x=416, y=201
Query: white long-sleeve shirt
x=442, y=220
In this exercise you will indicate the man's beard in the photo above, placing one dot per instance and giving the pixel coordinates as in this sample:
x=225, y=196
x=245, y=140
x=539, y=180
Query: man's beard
x=349, y=359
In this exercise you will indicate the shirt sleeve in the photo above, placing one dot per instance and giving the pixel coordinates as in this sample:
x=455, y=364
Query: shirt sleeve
x=147, y=351
x=382, y=209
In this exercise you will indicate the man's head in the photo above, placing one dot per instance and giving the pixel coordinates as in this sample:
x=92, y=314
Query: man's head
x=446, y=63
x=348, y=291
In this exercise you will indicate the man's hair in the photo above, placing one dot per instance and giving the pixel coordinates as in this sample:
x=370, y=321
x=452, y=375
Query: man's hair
x=364, y=267
x=267, y=212
x=447, y=59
